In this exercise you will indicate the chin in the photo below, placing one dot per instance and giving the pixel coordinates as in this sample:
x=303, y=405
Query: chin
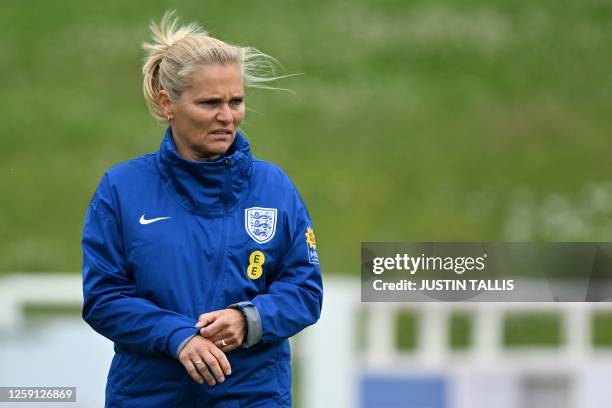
x=218, y=149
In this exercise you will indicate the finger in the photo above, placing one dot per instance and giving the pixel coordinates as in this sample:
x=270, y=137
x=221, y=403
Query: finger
x=193, y=372
x=232, y=341
x=203, y=370
x=219, y=336
x=230, y=347
x=223, y=342
x=213, y=365
x=212, y=329
x=205, y=319
x=222, y=360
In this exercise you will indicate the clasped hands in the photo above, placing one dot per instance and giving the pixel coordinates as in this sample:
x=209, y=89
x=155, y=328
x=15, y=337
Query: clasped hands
x=203, y=356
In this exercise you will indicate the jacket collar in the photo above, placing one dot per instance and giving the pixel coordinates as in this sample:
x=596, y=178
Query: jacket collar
x=210, y=187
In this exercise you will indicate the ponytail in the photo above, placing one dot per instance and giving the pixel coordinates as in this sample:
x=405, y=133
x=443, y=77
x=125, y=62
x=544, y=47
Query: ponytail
x=164, y=36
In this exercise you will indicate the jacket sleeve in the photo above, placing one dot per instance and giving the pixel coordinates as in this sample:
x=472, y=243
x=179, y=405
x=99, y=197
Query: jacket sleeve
x=294, y=298
x=111, y=303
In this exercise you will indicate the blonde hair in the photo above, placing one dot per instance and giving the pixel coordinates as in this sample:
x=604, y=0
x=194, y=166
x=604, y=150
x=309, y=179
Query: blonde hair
x=177, y=51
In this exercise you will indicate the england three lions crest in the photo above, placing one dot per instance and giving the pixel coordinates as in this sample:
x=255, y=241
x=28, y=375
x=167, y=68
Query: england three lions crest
x=260, y=223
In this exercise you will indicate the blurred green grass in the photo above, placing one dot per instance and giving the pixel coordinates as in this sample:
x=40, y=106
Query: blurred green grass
x=411, y=121
x=520, y=331
x=532, y=329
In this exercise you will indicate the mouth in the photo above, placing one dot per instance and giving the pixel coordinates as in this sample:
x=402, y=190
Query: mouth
x=222, y=132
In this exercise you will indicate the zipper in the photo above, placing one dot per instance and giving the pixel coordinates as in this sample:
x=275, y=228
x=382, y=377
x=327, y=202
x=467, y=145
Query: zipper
x=219, y=270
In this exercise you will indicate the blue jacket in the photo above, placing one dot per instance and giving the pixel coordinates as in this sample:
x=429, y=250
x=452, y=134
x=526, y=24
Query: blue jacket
x=167, y=239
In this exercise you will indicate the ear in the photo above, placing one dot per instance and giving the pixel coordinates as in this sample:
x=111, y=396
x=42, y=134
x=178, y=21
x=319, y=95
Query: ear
x=166, y=103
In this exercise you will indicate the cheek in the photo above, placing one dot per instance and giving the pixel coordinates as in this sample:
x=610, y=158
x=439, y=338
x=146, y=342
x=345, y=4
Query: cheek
x=201, y=120
x=239, y=115
x=191, y=117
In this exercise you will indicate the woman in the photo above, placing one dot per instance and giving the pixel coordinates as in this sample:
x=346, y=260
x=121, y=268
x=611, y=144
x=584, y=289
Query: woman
x=199, y=261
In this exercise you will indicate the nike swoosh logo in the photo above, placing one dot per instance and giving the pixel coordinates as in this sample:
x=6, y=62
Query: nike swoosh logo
x=144, y=221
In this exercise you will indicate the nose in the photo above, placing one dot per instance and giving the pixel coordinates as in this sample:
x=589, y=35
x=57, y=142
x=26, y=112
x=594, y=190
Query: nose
x=225, y=114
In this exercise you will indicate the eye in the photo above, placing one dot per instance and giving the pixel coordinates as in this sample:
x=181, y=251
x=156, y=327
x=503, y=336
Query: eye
x=209, y=102
x=236, y=101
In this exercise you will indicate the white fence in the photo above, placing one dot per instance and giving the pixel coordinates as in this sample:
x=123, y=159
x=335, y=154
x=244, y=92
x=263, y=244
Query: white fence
x=36, y=290
x=61, y=351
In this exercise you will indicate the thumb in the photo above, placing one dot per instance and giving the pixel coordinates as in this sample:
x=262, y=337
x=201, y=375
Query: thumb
x=211, y=330
x=206, y=319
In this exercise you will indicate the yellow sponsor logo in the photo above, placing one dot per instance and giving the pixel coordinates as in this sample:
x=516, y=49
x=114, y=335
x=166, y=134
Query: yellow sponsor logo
x=310, y=238
x=257, y=258
x=256, y=261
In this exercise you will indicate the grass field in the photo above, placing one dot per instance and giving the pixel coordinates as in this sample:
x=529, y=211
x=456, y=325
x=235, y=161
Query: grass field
x=412, y=120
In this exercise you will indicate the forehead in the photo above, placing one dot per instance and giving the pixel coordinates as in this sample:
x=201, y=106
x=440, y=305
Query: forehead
x=218, y=79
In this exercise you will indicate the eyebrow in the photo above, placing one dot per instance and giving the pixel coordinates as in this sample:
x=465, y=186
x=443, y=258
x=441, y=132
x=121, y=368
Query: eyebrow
x=217, y=98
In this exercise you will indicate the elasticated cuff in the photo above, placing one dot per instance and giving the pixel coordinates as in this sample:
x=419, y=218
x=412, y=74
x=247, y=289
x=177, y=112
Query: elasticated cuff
x=253, y=321
x=179, y=338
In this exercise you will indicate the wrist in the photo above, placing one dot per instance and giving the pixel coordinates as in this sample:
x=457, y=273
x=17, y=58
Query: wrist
x=253, y=322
